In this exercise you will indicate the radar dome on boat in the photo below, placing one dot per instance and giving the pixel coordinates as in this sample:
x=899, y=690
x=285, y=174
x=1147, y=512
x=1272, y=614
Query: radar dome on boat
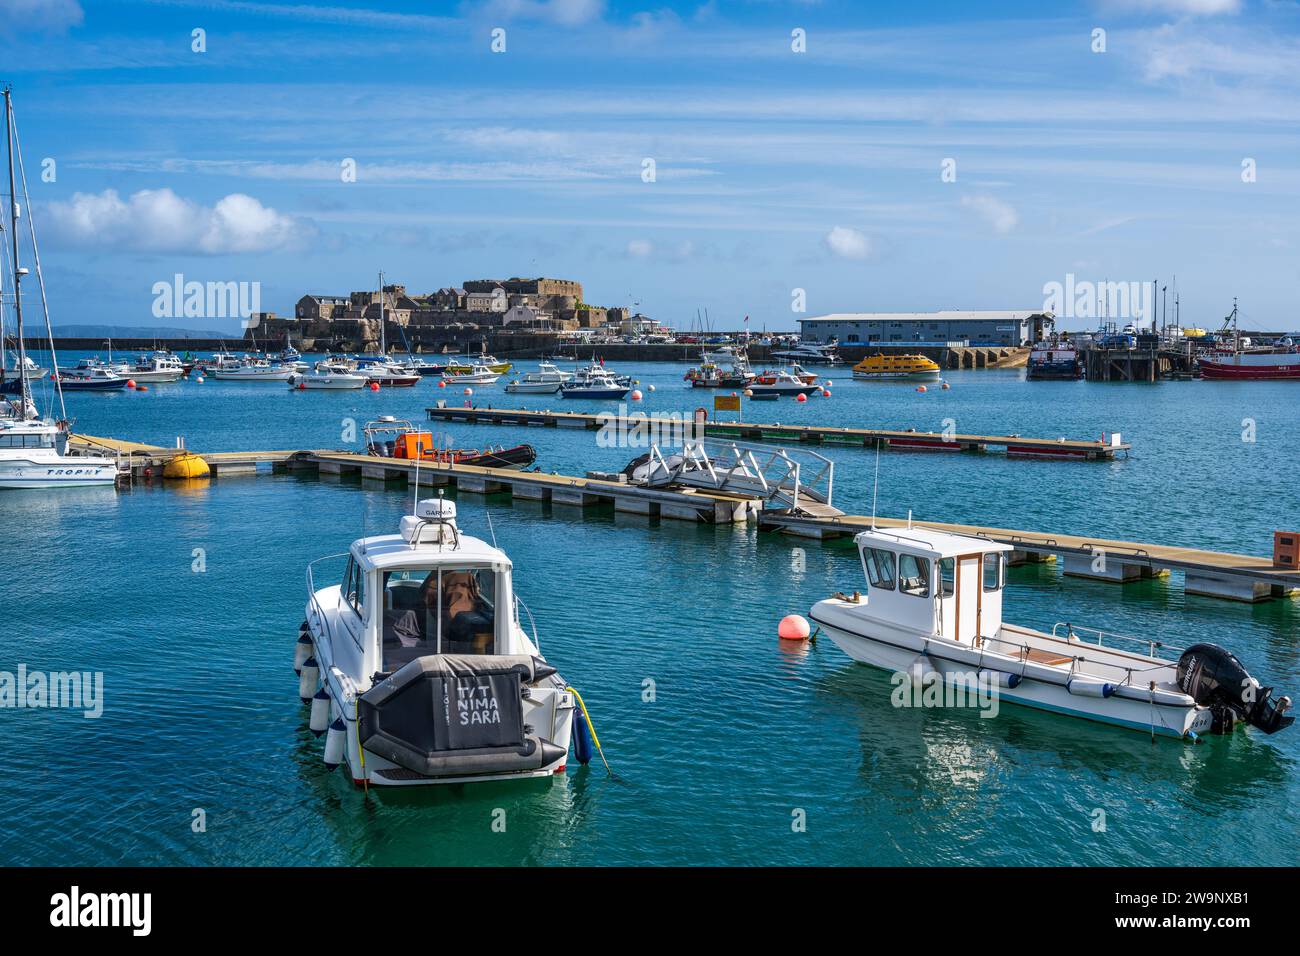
x=436, y=509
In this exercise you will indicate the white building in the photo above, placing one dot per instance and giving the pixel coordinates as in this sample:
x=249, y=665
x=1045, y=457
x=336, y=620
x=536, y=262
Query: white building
x=927, y=328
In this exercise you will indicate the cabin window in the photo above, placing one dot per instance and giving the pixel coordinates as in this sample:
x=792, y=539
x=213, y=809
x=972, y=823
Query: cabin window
x=993, y=565
x=913, y=575
x=355, y=588
x=880, y=568
x=947, y=577
x=438, y=611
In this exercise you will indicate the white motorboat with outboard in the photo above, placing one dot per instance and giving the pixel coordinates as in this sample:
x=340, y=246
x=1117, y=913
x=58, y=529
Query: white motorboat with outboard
x=418, y=667
x=932, y=613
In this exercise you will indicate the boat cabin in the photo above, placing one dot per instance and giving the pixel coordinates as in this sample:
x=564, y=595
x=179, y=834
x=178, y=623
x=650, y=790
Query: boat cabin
x=428, y=590
x=936, y=583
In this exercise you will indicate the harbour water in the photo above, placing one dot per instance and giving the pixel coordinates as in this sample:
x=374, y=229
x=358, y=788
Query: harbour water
x=188, y=600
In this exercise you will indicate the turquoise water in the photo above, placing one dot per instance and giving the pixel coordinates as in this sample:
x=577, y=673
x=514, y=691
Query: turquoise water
x=201, y=709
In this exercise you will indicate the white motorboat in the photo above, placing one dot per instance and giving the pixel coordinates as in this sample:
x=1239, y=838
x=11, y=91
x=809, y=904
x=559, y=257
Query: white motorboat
x=425, y=673
x=781, y=382
x=932, y=614
x=477, y=375
x=33, y=454
x=810, y=353
x=34, y=372
x=545, y=381
x=388, y=373
x=327, y=376
x=594, y=383
x=161, y=367
x=250, y=370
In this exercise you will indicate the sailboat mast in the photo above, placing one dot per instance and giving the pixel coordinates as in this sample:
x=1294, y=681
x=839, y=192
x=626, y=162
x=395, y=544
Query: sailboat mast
x=18, y=272
x=383, y=338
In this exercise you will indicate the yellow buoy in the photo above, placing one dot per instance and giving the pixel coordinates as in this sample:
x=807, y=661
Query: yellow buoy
x=186, y=465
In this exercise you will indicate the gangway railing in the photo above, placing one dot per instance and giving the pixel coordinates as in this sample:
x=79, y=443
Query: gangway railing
x=761, y=471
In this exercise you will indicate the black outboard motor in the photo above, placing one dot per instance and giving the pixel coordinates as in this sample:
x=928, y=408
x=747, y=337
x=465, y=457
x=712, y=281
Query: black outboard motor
x=1213, y=677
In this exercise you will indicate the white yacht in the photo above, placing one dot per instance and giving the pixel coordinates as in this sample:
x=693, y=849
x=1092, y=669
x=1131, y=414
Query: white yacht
x=425, y=673
x=250, y=370
x=328, y=376
x=810, y=353
x=545, y=381
x=160, y=367
x=478, y=374
x=932, y=613
x=33, y=454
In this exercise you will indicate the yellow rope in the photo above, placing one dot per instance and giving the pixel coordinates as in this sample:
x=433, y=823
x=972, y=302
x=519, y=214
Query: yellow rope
x=592, y=727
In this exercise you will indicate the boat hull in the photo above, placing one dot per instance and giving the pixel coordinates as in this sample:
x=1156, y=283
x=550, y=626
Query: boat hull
x=619, y=392
x=894, y=650
x=54, y=471
x=924, y=375
x=92, y=384
x=1242, y=370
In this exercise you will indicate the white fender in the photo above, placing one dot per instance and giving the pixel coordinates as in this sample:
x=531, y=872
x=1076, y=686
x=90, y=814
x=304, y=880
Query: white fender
x=307, y=681
x=320, y=712
x=301, y=651
x=334, y=742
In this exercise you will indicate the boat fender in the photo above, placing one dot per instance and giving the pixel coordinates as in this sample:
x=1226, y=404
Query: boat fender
x=334, y=741
x=1000, y=678
x=307, y=682
x=581, y=738
x=301, y=651
x=320, y=712
x=1086, y=687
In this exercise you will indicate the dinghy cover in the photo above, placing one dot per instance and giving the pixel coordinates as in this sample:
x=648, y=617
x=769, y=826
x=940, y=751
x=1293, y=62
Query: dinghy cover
x=456, y=715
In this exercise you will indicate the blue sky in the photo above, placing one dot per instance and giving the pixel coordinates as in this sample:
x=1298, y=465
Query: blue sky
x=774, y=170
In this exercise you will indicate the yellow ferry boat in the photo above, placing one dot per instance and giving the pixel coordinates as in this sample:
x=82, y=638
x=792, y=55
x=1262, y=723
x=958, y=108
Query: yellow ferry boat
x=911, y=368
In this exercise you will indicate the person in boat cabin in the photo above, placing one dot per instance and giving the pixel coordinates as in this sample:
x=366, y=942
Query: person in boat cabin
x=458, y=611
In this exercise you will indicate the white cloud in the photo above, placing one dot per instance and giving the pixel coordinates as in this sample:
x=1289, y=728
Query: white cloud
x=563, y=12
x=640, y=248
x=52, y=15
x=1183, y=8
x=158, y=220
x=1002, y=216
x=849, y=243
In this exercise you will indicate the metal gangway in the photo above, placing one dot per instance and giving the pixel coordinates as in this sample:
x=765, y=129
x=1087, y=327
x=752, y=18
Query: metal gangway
x=801, y=480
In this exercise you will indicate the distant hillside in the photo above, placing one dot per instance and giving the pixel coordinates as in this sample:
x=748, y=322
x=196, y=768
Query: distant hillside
x=139, y=332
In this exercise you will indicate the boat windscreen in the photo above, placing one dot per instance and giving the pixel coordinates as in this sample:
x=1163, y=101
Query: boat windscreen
x=438, y=611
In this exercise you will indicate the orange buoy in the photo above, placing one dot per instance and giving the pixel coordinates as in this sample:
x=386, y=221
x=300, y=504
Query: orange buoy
x=793, y=627
x=130, y=383
x=442, y=384
x=142, y=388
x=374, y=386
x=826, y=393
x=946, y=386
x=921, y=388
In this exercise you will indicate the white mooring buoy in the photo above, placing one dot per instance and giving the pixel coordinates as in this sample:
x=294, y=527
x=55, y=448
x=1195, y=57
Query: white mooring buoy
x=334, y=741
x=307, y=682
x=320, y=712
x=301, y=651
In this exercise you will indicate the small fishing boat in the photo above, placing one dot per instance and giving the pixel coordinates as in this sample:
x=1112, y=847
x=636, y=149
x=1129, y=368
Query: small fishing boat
x=473, y=375
x=1243, y=359
x=418, y=669
x=330, y=377
x=250, y=370
x=390, y=437
x=1051, y=359
x=780, y=382
x=159, y=367
x=93, y=379
x=594, y=384
x=33, y=454
x=545, y=381
x=932, y=612
x=467, y=365
x=897, y=368
x=388, y=373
